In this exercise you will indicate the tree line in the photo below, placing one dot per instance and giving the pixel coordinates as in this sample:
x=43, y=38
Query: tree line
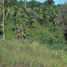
x=40, y=21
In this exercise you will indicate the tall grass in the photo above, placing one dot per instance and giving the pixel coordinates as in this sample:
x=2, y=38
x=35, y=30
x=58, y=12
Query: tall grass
x=17, y=54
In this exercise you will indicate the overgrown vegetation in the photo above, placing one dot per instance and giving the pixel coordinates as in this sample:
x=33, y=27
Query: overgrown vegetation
x=34, y=34
x=44, y=19
x=17, y=54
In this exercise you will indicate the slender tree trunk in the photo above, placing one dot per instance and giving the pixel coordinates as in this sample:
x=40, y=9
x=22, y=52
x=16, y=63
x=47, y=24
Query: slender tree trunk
x=3, y=23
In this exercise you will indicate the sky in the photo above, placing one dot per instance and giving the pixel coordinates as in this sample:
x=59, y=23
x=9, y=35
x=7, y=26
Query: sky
x=56, y=1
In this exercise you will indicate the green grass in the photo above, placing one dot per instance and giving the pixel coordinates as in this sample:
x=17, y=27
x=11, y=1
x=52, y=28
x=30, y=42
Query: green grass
x=17, y=54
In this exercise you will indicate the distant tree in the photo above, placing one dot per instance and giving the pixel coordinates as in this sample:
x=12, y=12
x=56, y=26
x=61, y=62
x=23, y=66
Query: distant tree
x=49, y=2
x=64, y=19
x=20, y=0
x=34, y=3
x=10, y=1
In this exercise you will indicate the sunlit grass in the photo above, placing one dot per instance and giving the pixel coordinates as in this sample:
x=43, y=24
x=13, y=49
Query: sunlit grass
x=17, y=54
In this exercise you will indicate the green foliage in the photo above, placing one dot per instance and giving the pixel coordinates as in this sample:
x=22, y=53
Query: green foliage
x=41, y=22
x=9, y=31
x=49, y=2
x=16, y=54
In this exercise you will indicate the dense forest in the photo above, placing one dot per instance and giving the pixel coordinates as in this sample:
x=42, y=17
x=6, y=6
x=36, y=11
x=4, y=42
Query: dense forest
x=44, y=19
